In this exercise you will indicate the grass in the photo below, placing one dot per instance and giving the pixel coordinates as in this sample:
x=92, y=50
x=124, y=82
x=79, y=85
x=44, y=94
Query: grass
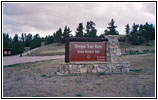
x=34, y=96
x=79, y=94
x=135, y=70
x=14, y=65
x=101, y=73
x=48, y=54
x=44, y=75
x=48, y=76
x=137, y=53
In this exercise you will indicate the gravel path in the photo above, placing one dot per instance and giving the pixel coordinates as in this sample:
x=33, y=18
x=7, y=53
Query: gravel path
x=9, y=60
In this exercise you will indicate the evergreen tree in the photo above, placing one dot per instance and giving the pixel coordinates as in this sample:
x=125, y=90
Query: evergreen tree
x=111, y=30
x=148, y=32
x=79, y=30
x=16, y=46
x=23, y=38
x=49, y=39
x=90, y=30
x=67, y=31
x=141, y=33
x=58, y=35
x=101, y=36
x=152, y=31
x=36, y=41
x=28, y=40
x=6, y=41
x=133, y=37
x=127, y=29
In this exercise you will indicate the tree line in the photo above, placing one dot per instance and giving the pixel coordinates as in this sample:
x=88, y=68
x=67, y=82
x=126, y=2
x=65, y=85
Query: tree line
x=137, y=35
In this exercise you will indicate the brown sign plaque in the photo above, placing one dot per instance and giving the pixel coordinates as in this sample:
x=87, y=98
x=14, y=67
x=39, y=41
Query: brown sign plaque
x=87, y=51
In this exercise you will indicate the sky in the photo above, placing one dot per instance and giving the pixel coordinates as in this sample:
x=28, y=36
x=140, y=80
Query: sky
x=47, y=18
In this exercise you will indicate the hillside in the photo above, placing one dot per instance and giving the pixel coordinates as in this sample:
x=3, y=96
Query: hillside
x=127, y=47
x=59, y=49
x=49, y=50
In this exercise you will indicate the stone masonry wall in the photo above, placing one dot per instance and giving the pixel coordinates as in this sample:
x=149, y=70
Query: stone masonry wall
x=113, y=49
x=89, y=68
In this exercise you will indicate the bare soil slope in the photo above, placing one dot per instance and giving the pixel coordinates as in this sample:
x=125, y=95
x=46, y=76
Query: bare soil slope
x=39, y=79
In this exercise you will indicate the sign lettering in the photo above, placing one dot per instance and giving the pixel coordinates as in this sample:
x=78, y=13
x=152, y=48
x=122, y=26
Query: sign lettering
x=87, y=51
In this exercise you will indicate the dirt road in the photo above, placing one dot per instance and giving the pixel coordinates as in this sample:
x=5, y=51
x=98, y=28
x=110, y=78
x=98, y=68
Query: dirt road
x=9, y=60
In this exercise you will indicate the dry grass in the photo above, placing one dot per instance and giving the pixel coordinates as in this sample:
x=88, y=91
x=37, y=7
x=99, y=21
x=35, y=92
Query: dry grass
x=59, y=49
x=49, y=50
x=39, y=79
x=128, y=46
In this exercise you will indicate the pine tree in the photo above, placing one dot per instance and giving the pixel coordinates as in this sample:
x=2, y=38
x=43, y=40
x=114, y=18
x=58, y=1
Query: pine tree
x=133, y=37
x=127, y=29
x=16, y=46
x=90, y=30
x=148, y=32
x=58, y=35
x=67, y=31
x=111, y=30
x=6, y=41
x=28, y=40
x=36, y=41
x=79, y=30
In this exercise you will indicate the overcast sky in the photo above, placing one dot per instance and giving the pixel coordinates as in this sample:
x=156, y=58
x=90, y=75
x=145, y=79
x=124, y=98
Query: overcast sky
x=46, y=18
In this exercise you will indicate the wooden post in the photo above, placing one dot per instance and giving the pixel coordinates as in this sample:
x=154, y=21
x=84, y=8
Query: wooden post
x=67, y=42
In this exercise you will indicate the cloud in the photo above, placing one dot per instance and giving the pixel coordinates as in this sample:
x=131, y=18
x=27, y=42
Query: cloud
x=46, y=18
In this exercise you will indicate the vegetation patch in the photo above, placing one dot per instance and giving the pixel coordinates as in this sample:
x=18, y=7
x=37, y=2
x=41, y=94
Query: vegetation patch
x=49, y=76
x=101, y=73
x=79, y=94
x=14, y=65
x=44, y=75
x=135, y=70
x=34, y=96
x=137, y=53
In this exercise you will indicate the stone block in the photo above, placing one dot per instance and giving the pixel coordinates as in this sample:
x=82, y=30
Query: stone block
x=94, y=71
x=100, y=69
x=83, y=70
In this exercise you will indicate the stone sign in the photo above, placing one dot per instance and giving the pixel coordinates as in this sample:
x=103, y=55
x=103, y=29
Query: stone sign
x=107, y=50
x=87, y=51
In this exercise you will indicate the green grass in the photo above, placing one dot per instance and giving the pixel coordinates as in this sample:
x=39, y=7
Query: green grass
x=34, y=96
x=137, y=53
x=135, y=70
x=101, y=73
x=14, y=65
x=79, y=94
x=49, y=76
x=44, y=75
